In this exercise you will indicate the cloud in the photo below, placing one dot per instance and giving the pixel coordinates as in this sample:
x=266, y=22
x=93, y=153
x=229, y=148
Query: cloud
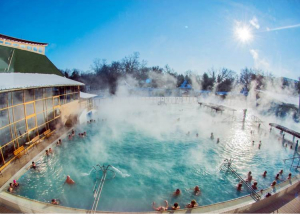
x=283, y=28
x=254, y=22
x=259, y=62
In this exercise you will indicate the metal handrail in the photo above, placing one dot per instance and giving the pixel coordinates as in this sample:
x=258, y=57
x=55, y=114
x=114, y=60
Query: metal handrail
x=253, y=193
x=97, y=190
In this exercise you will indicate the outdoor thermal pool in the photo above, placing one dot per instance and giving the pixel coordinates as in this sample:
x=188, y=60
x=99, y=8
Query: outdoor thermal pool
x=153, y=155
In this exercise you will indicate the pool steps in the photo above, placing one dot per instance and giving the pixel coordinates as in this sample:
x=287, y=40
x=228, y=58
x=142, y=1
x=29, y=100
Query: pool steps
x=226, y=166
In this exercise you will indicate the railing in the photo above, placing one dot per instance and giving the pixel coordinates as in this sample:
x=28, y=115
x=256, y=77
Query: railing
x=227, y=165
x=99, y=183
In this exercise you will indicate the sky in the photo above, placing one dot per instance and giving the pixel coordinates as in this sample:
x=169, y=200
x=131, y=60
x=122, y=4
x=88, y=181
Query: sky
x=184, y=34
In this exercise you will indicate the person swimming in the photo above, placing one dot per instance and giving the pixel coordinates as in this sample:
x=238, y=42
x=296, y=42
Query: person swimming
x=259, y=145
x=177, y=192
x=290, y=176
x=33, y=166
x=273, y=184
x=69, y=180
x=161, y=208
x=218, y=140
x=176, y=206
x=239, y=186
x=192, y=204
x=212, y=136
x=277, y=176
x=197, y=190
x=10, y=188
x=70, y=137
x=47, y=152
x=15, y=183
x=54, y=202
x=197, y=135
x=281, y=172
x=264, y=174
x=254, y=185
x=50, y=151
x=253, y=142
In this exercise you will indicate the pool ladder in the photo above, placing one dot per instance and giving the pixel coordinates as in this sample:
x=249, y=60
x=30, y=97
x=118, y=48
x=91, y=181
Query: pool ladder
x=226, y=166
x=99, y=183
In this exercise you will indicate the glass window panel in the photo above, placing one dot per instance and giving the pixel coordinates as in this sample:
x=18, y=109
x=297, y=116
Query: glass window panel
x=62, y=99
x=35, y=48
x=42, y=129
x=29, y=95
x=11, y=116
x=29, y=47
x=76, y=96
x=20, y=127
x=18, y=112
x=5, y=135
x=32, y=134
x=9, y=98
x=38, y=93
x=50, y=115
x=4, y=118
x=39, y=106
x=57, y=112
x=49, y=104
x=68, y=89
x=17, y=97
x=40, y=119
x=56, y=101
x=3, y=100
x=53, y=124
x=29, y=109
x=56, y=91
x=49, y=92
x=31, y=123
x=61, y=90
x=8, y=151
x=22, y=140
x=16, y=45
x=68, y=98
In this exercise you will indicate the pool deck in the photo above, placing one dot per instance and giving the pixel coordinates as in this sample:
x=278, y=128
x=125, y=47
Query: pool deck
x=284, y=201
x=18, y=164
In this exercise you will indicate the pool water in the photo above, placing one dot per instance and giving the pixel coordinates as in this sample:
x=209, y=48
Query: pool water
x=150, y=166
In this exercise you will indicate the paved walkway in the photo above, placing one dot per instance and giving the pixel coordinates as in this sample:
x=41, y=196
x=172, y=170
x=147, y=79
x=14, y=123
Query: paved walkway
x=290, y=203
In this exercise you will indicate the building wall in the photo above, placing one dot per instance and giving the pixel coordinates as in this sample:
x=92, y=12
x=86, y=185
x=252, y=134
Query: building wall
x=25, y=114
x=72, y=109
x=40, y=49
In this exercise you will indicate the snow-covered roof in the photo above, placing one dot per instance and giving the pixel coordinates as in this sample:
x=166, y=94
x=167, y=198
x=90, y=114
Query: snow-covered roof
x=86, y=95
x=10, y=81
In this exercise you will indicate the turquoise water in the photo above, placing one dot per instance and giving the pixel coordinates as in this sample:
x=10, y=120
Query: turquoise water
x=152, y=167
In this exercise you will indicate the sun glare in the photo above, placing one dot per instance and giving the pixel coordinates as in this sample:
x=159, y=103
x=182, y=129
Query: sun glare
x=243, y=34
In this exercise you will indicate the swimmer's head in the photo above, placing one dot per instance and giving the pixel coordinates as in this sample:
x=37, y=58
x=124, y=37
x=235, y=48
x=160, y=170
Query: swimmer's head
x=193, y=202
x=175, y=204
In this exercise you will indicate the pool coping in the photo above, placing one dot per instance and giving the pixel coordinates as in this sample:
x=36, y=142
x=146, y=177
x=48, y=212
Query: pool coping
x=26, y=205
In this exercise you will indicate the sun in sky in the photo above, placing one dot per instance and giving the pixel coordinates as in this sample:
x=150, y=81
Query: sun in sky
x=243, y=33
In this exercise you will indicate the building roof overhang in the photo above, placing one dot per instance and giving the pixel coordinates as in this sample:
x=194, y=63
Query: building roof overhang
x=18, y=81
x=4, y=37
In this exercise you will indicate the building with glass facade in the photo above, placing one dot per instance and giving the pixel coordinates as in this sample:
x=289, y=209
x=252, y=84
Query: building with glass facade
x=34, y=98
